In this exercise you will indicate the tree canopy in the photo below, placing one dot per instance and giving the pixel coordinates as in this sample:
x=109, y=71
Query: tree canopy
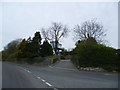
x=55, y=33
x=30, y=48
x=10, y=49
x=91, y=54
x=46, y=49
x=90, y=29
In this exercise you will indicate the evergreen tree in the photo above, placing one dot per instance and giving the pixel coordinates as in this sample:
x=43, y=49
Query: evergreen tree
x=29, y=48
x=36, y=44
x=46, y=49
x=22, y=49
x=10, y=49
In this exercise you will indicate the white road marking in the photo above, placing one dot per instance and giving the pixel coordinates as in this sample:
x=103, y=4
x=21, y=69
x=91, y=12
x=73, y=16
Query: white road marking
x=38, y=77
x=48, y=84
x=24, y=69
x=28, y=71
x=43, y=80
x=55, y=88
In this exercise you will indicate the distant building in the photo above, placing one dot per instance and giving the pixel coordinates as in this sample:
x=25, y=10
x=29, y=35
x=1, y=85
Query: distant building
x=59, y=47
x=52, y=44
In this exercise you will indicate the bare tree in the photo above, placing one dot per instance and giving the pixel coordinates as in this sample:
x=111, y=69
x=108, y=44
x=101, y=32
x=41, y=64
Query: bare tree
x=55, y=33
x=45, y=34
x=90, y=29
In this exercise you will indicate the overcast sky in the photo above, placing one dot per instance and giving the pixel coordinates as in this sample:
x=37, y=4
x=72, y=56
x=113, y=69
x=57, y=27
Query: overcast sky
x=21, y=20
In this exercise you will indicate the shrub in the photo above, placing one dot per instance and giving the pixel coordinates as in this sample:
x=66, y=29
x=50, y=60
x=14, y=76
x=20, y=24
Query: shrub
x=110, y=67
x=38, y=59
x=11, y=58
x=46, y=49
x=25, y=60
x=53, y=58
x=95, y=55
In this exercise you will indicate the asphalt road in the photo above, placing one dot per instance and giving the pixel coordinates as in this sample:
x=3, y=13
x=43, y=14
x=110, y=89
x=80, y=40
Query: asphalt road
x=60, y=75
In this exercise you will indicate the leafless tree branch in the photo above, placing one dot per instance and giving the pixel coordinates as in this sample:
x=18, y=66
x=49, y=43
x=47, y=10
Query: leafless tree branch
x=55, y=32
x=90, y=29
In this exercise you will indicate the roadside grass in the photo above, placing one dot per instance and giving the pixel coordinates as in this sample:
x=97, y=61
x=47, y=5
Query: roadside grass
x=54, y=58
x=36, y=60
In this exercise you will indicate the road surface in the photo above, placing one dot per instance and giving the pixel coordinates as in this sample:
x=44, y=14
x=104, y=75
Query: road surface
x=61, y=75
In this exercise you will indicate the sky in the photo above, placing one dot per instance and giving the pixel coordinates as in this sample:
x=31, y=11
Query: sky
x=21, y=20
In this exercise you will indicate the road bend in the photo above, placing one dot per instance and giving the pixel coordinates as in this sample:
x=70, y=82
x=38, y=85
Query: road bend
x=61, y=75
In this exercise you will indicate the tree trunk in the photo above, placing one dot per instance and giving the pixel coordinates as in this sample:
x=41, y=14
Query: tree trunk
x=56, y=47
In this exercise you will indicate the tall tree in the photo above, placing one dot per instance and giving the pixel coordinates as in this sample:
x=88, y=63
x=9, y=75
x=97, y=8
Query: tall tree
x=30, y=48
x=22, y=51
x=36, y=43
x=55, y=33
x=46, y=49
x=37, y=38
x=90, y=29
x=10, y=48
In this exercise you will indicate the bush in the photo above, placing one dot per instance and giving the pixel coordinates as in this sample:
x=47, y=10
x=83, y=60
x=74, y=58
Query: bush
x=38, y=59
x=46, y=49
x=25, y=60
x=53, y=58
x=95, y=55
x=11, y=58
x=31, y=60
x=110, y=67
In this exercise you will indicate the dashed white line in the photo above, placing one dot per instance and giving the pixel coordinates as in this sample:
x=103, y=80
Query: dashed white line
x=28, y=71
x=38, y=77
x=55, y=88
x=24, y=69
x=43, y=80
x=48, y=84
